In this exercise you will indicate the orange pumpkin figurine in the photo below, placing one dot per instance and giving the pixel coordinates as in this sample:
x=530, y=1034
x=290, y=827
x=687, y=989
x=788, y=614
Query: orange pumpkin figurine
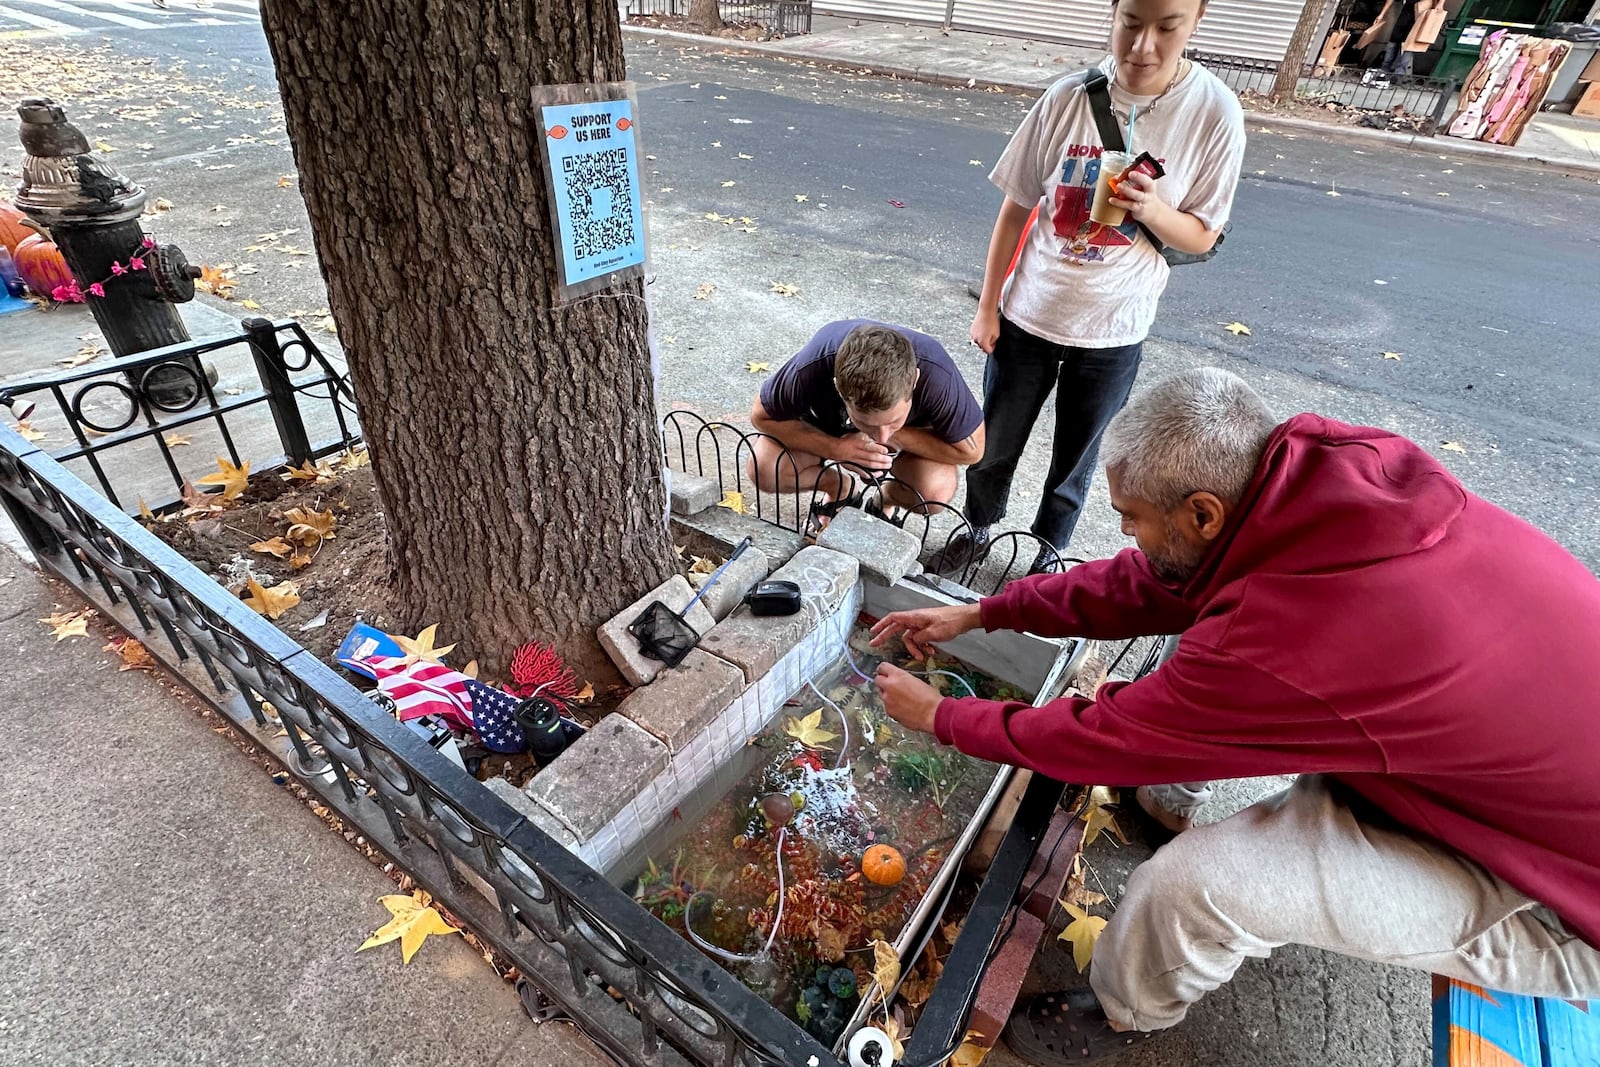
x=883, y=865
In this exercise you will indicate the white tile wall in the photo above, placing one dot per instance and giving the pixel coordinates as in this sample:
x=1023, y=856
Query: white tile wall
x=695, y=763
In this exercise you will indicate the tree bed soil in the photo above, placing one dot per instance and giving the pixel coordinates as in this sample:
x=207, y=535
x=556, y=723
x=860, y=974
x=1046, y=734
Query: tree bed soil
x=347, y=580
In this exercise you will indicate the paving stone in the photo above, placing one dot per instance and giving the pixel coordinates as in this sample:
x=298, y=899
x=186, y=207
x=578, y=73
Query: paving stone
x=623, y=648
x=691, y=493
x=598, y=774
x=821, y=573
x=886, y=552
x=728, y=528
x=754, y=644
x=684, y=699
x=1002, y=980
x=740, y=577
x=533, y=811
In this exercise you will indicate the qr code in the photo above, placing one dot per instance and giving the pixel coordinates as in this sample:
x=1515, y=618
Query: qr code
x=597, y=185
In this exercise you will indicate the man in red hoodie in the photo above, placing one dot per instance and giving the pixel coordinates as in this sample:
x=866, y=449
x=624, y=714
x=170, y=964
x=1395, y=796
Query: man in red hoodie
x=1428, y=662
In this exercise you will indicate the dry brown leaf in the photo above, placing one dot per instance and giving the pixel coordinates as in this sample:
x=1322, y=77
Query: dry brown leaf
x=65, y=624
x=299, y=561
x=784, y=289
x=177, y=440
x=25, y=428
x=310, y=527
x=704, y=290
x=972, y=1051
x=1453, y=446
x=134, y=656
x=830, y=944
x=276, y=546
x=885, y=966
x=271, y=602
x=586, y=694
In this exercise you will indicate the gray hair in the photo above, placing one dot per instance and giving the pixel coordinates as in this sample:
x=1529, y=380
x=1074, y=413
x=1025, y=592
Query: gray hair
x=1200, y=431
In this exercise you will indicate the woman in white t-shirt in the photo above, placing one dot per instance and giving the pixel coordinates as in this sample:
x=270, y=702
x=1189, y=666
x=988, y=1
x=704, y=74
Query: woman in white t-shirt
x=1076, y=309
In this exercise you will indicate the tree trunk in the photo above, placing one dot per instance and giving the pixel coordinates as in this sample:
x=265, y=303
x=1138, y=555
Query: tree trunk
x=1294, y=60
x=515, y=444
x=705, y=16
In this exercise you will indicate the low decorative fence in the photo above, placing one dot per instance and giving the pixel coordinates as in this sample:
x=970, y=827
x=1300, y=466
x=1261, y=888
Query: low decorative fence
x=780, y=18
x=1408, y=101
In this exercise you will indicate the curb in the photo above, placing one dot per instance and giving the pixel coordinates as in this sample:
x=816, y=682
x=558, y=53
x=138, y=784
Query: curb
x=1414, y=142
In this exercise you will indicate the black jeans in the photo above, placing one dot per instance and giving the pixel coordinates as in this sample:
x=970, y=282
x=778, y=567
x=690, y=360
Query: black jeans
x=1091, y=384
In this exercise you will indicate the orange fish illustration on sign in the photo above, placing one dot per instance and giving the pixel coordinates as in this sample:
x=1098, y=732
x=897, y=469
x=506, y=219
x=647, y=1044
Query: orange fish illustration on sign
x=557, y=132
x=624, y=124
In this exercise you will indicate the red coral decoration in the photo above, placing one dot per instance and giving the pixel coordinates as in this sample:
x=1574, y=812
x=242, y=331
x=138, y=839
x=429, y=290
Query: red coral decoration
x=537, y=667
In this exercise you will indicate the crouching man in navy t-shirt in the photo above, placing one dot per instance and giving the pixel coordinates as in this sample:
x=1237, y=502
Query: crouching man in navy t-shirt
x=864, y=400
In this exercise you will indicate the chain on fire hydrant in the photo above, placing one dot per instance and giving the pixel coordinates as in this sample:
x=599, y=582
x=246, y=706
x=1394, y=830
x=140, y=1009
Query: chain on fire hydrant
x=92, y=215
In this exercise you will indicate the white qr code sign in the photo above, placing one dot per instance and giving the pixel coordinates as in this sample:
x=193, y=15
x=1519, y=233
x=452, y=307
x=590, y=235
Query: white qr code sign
x=591, y=161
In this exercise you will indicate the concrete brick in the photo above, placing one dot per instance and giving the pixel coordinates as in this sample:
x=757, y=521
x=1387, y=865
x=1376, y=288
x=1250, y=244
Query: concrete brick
x=886, y=552
x=754, y=644
x=1002, y=981
x=623, y=648
x=1050, y=883
x=598, y=774
x=728, y=528
x=740, y=577
x=690, y=493
x=531, y=810
x=684, y=699
x=822, y=575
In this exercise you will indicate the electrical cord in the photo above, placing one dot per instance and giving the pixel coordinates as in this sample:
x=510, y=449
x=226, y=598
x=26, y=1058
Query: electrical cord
x=844, y=724
x=777, y=918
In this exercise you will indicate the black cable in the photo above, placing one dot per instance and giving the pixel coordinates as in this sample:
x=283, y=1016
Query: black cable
x=1000, y=938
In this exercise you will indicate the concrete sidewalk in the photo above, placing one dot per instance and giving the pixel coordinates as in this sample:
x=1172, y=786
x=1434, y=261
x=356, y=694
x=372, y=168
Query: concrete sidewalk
x=986, y=61
x=166, y=903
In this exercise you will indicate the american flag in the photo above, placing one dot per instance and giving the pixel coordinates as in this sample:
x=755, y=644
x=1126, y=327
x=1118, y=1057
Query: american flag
x=424, y=688
x=494, y=716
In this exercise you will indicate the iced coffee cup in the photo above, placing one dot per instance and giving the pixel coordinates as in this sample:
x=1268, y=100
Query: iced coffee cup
x=1112, y=164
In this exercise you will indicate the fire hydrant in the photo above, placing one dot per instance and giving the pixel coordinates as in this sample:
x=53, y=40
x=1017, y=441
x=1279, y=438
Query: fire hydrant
x=92, y=214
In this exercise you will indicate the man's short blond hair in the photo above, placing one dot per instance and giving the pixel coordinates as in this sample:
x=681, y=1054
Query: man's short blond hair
x=875, y=368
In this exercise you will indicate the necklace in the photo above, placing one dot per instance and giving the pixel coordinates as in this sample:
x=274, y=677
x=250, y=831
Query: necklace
x=1183, y=68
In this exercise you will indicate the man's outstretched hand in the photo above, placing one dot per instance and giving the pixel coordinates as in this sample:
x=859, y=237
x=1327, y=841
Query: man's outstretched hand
x=909, y=700
x=925, y=627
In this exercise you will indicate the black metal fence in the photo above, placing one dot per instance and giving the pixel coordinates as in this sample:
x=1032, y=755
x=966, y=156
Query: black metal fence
x=108, y=410
x=1390, y=101
x=779, y=18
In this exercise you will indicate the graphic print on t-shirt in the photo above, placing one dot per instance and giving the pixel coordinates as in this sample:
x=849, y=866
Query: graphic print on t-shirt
x=1082, y=239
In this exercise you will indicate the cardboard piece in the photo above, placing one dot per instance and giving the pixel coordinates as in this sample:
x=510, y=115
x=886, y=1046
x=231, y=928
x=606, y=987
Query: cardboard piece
x=1588, y=106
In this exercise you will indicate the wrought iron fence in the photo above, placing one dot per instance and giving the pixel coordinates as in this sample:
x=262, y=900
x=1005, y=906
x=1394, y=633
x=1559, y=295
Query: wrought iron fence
x=108, y=407
x=779, y=18
x=1391, y=101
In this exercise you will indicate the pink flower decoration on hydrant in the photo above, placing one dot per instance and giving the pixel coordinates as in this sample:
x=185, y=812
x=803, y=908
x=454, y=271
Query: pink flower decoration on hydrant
x=136, y=263
x=97, y=289
x=118, y=268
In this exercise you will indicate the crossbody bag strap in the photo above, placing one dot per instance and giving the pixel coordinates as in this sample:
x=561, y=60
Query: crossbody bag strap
x=1098, y=88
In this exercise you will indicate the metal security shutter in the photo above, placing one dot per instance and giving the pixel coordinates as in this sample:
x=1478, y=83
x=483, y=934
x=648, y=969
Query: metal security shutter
x=1257, y=29
x=930, y=11
x=1086, y=22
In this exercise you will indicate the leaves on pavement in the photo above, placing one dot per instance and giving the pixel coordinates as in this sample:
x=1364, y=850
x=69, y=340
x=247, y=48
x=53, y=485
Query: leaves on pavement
x=1084, y=932
x=1237, y=329
x=413, y=921
x=177, y=440
x=784, y=289
x=65, y=624
x=1098, y=816
x=758, y=368
x=704, y=290
x=1393, y=355
x=271, y=602
x=733, y=500
x=134, y=656
x=25, y=428
x=1453, y=446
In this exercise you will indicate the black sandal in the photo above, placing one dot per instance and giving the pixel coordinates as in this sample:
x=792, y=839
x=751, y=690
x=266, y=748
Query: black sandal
x=1065, y=1028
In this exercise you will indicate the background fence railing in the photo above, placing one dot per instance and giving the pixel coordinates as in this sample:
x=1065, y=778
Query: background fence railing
x=779, y=18
x=1407, y=101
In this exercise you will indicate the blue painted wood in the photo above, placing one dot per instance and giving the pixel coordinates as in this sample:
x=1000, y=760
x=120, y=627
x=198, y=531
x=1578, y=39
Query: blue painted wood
x=1474, y=1027
x=1571, y=1032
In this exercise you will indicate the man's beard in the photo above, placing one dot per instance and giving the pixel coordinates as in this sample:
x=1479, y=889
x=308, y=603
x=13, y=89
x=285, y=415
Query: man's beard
x=1179, y=561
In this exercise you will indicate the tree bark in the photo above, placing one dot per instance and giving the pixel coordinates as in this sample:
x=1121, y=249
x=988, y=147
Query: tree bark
x=1294, y=60
x=705, y=16
x=515, y=444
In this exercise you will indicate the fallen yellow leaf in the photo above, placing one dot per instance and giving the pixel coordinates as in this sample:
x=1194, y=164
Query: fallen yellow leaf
x=758, y=368
x=299, y=561
x=586, y=694
x=733, y=500
x=801, y=198
x=1098, y=817
x=250, y=305
x=25, y=428
x=310, y=527
x=421, y=647
x=808, y=730
x=65, y=624
x=784, y=289
x=885, y=966
x=413, y=922
x=134, y=656
x=1453, y=446
x=729, y=185
x=271, y=602
x=1083, y=932
x=1392, y=355
x=234, y=480
x=704, y=290
x=972, y=1051
x=285, y=180
x=1237, y=328
x=177, y=440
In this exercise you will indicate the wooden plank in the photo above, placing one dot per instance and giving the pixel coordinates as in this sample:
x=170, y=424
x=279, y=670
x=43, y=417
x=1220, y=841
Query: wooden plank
x=1571, y=1032
x=1476, y=1027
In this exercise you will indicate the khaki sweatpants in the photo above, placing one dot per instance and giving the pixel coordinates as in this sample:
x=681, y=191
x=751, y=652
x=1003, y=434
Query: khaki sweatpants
x=1301, y=868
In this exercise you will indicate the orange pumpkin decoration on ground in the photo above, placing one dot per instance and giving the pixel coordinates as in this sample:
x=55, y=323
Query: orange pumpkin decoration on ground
x=41, y=266
x=13, y=227
x=883, y=865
